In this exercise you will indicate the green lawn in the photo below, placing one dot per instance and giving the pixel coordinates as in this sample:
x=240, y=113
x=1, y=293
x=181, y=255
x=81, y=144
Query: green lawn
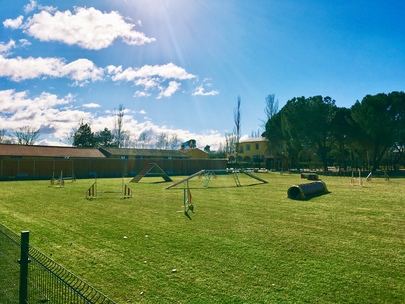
x=243, y=245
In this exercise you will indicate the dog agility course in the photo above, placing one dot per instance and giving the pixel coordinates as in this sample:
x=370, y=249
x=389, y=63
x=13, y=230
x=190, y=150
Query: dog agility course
x=247, y=244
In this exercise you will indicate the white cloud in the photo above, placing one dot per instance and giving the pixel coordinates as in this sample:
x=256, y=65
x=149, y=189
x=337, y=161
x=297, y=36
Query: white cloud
x=46, y=111
x=24, y=42
x=112, y=69
x=27, y=68
x=164, y=79
x=148, y=83
x=169, y=90
x=91, y=105
x=201, y=91
x=57, y=117
x=13, y=23
x=86, y=27
x=141, y=94
x=80, y=71
x=30, y=6
x=165, y=71
x=34, y=5
x=5, y=48
x=49, y=142
x=142, y=112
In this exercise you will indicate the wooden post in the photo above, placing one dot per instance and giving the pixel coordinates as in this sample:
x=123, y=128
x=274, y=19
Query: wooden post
x=360, y=179
x=24, y=260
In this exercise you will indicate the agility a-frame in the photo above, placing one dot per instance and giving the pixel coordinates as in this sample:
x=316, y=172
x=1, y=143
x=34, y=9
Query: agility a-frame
x=147, y=171
x=207, y=175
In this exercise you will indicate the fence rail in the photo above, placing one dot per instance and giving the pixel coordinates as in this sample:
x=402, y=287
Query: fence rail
x=46, y=282
x=9, y=234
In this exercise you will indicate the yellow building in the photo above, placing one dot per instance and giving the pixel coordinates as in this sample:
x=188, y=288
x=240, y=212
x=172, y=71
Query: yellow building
x=254, y=150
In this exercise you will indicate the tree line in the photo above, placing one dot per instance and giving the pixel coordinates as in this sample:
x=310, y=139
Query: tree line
x=313, y=130
x=83, y=136
x=25, y=135
x=119, y=137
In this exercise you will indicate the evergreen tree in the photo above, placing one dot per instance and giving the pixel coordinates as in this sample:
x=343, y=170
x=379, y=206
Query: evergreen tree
x=83, y=137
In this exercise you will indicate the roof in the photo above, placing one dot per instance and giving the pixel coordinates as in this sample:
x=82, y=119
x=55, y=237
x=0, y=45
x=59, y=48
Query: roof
x=111, y=152
x=195, y=153
x=48, y=151
x=258, y=139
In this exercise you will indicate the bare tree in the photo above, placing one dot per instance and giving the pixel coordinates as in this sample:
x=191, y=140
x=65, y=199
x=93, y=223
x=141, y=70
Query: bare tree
x=26, y=135
x=271, y=108
x=126, y=141
x=221, y=148
x=230, y=140
x=174, y=142
x=2, y=135
x=119, y=126
x=256, y=134
x=162, y=141
x=238, y=126
x=145, y=138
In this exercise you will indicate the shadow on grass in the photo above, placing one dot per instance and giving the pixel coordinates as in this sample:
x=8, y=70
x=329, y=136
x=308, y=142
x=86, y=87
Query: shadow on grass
x=309, y=197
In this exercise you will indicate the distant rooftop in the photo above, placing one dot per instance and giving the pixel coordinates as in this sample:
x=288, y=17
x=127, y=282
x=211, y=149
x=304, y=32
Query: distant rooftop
x=117, y=152
x=254, y=139
x=48, y=151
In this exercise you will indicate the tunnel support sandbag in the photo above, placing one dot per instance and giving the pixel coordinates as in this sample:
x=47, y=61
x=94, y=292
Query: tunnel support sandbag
x=306, y=191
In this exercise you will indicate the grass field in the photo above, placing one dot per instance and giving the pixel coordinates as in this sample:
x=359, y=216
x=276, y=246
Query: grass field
x=243, y=245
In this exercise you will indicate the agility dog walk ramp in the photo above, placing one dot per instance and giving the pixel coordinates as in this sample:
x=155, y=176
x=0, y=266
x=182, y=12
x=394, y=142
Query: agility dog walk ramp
x=209, y=173
x=186, y=179
x=255, y=177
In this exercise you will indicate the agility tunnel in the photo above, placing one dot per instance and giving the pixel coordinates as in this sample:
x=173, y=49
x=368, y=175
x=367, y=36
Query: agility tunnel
x=306, y=191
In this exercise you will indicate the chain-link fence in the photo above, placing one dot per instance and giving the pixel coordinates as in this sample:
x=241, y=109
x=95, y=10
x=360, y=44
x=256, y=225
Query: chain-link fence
x=29, y=276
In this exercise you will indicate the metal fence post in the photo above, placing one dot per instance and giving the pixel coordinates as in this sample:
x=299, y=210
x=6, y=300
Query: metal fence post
x=23, y=292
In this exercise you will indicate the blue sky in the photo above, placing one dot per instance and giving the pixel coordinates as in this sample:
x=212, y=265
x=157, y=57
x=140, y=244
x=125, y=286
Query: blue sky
x=179, y=65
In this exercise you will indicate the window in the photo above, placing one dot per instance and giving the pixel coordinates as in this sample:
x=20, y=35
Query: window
x=247, y=147
x=257, y=146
